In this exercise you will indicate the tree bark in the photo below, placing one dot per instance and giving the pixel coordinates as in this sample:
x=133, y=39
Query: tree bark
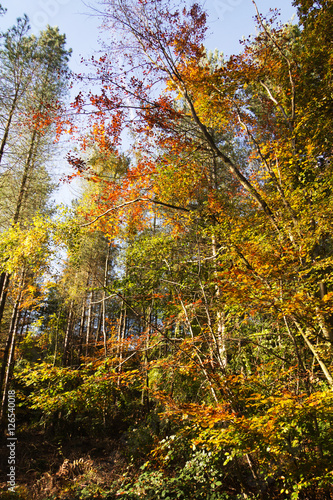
x=88, y=334
x=67, y=334
x=8, y=359
x=6, y=279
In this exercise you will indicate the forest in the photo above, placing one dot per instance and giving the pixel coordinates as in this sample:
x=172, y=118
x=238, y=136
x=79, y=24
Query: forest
x=169, y=335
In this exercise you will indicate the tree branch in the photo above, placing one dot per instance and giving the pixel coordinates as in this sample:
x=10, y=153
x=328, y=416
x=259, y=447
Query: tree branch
x=136, y=200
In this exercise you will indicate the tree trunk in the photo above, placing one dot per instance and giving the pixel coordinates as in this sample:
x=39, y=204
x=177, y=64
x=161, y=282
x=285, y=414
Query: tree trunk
x=145, y=388
x=23, y=187
x=88, y=334
x=120, y=340
x=314, y=351
x=67, y=335
x=56, y=338
x=8, y=124
x=105, y=284
x=81, y=330
x=8, y=359
x=5, y=278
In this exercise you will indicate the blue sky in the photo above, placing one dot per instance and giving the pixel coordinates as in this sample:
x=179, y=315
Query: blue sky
x=229, y=21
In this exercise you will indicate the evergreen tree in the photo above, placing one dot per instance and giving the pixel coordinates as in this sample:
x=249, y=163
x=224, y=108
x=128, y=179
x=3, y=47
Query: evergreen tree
x=34, y=83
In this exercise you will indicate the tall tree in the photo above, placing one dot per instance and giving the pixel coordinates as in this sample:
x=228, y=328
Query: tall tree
x=36, y=72
x=34, y=80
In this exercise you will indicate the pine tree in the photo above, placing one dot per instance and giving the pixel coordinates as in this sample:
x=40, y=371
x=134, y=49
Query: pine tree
x=34, y=80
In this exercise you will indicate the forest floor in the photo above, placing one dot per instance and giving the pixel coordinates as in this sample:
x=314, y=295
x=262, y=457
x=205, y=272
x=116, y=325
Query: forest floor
x=54, y=468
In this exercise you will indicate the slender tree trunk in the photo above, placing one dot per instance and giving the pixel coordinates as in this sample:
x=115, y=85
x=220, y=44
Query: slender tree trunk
x=3, y=295
x=8, y=124
x=88, y=334
x=81, y=330
x=23, y=322
x=105, y=284
x=99, y=315
x=8, y=360
x=121, y=338
x=2, y=281
x=145, y=389
x=220, y=314
x=22, y=191
x=67, y=334
x=56, y=338
x=24, y=182
x=314, y=351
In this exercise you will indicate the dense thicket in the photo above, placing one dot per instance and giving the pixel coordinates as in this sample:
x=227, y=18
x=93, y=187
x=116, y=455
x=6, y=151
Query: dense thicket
x=192, y=321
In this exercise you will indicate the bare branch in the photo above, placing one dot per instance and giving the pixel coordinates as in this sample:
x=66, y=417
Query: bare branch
x=286, y=58
x=136, y=200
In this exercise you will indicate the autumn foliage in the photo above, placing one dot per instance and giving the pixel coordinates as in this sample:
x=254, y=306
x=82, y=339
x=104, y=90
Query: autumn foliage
x=193, y=316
